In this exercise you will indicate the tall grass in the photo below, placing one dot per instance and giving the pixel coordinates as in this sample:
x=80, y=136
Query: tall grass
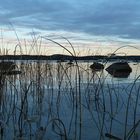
x=55, y=100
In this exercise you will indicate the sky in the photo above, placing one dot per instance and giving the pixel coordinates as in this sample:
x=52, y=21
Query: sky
x=90, y=25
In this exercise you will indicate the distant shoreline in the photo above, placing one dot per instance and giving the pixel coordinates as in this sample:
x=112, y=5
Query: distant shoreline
x=68, y=57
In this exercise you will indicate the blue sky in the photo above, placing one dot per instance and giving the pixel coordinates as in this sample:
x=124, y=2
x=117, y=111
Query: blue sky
x=105, y=21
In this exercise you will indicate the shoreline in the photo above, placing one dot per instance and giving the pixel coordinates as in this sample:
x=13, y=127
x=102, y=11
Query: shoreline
x=68, y=57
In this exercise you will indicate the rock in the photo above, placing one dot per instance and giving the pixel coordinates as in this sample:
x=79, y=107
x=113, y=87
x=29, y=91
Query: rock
x=7, y=66
x=97, y=66
x=13, y=72
x=119, y=69
x=70, y=63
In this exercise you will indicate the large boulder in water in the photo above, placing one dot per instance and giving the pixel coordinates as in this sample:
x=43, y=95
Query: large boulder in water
x=97, y=66
x=119, y=69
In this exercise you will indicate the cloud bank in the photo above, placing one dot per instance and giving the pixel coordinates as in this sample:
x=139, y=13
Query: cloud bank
x=100, y=18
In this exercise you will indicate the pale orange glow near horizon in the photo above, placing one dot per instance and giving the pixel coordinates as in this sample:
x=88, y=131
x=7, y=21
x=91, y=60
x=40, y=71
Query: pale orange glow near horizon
x=83, y=44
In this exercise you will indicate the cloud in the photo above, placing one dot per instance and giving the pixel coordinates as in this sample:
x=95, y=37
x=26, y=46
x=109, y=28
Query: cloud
x=102, y=17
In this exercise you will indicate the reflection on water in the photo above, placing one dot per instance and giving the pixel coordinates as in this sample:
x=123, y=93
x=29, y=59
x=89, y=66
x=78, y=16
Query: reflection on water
x=50, y=100
x=119, y=74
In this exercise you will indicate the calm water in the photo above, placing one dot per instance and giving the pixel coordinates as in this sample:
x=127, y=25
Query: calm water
x=86, y=71
x=52, y=100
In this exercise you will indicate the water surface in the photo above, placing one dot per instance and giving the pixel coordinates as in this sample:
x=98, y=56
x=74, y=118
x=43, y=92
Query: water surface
x=52, y=100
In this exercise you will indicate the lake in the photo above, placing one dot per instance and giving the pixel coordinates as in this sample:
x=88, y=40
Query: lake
x=56, y=100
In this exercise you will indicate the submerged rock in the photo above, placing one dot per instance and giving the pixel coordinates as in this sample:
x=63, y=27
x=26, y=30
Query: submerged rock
x=97, y=66
x=119, y=69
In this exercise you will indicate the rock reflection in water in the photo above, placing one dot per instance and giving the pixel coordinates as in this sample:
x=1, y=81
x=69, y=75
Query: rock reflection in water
x=119, y=74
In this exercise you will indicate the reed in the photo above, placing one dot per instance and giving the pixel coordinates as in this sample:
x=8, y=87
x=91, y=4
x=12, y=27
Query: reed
x=57, y=100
